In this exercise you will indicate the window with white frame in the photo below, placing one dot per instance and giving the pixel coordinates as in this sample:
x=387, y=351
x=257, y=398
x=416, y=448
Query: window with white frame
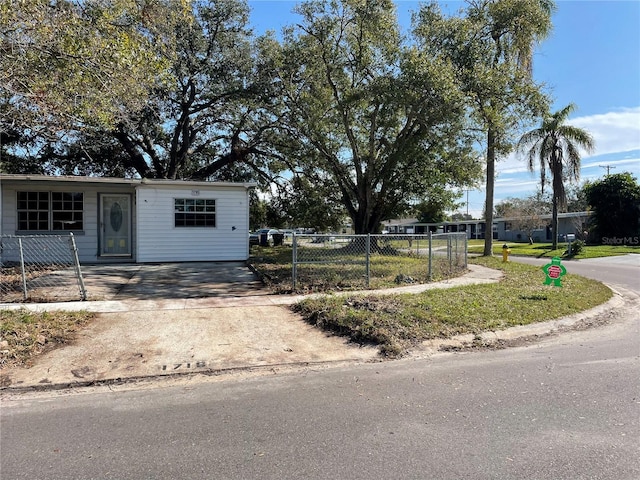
x=194, y=212
x=50, y=211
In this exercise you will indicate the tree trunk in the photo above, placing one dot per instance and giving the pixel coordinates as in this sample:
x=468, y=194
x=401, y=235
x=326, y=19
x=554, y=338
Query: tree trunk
x=136, y=159
x=488, y=209
x=554, y=222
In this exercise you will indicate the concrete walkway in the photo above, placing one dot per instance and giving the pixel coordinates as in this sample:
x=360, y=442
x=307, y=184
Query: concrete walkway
x=136, y=294
x=133, y=339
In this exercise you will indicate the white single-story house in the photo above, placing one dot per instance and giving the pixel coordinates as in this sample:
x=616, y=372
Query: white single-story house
x=131, y=220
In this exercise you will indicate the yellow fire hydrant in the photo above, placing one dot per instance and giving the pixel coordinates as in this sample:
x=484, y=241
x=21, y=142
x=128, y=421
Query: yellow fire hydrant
x=505, y=253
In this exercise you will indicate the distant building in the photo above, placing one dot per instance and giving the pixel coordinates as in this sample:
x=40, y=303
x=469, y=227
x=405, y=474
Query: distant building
x=572, y=223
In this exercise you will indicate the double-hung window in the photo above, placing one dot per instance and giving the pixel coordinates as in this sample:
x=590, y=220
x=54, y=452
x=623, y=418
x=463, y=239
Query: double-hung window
x=50, y=211
x=194, y=212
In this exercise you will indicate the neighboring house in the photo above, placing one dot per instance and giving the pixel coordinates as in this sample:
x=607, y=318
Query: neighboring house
x=572, y=223
x=115, y=220
x=403, y=225
x=473, y=228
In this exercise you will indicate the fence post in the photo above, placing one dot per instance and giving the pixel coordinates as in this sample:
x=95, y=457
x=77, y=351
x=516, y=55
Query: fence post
x=450, y=252
x=22, y=269
x=368, y=257
x=466, y=252
x=430, y=257
x=76, y=264
x=294, y=259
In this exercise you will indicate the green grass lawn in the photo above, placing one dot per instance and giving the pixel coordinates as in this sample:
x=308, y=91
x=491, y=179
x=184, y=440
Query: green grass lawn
x=396, y=322
x=545, y=250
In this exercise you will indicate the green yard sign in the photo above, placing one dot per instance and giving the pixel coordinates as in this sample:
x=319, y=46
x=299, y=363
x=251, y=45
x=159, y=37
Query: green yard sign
x=554, y=271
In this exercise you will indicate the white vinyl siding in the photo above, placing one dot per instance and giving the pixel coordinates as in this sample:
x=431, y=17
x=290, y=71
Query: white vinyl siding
x=160, y=240
x=154, y=201
x=86, y=239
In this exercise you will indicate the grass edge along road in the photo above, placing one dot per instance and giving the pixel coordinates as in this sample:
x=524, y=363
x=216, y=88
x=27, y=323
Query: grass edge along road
x=396, y=322
x=24, y=335
x=545, y=249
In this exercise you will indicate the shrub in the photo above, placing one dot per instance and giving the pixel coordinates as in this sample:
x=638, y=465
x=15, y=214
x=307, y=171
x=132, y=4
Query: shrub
x=576, y=247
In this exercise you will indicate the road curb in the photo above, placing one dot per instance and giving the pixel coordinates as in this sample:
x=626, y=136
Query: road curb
x=273, y=368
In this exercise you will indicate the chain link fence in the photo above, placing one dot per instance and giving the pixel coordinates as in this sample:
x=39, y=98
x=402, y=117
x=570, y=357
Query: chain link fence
x=40, y=268
x=322, y=262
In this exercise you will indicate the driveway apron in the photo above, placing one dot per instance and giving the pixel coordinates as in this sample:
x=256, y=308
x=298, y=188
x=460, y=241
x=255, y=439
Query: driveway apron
x=179, y=318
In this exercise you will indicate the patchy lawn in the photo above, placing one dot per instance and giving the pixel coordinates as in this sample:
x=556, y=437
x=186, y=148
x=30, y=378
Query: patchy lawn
x=25, y=334
x=396, y=322
x=340, y=270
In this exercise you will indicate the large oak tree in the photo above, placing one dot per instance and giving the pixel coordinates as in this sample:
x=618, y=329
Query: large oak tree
x=185, y=100
x=66, y=65
x=213, y=117
x=376, y=124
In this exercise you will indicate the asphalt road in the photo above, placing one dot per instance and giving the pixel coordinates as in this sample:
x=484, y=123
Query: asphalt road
x=621, y=271
x=567, y=407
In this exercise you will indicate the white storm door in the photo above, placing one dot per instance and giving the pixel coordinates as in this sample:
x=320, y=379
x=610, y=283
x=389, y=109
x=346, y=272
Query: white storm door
x=115, y=225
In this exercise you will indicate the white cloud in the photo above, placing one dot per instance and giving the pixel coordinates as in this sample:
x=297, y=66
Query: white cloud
x=613, y=131
x=623, y=164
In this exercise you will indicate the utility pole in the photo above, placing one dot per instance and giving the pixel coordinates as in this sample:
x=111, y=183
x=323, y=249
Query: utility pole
x=467, y=203
x=608, y=167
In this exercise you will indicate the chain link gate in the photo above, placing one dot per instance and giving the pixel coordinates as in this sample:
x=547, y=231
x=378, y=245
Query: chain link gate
x=364, y=261
x=40, y=268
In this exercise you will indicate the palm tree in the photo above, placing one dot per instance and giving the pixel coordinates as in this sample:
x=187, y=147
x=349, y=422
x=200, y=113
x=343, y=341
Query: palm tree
x=556, y=146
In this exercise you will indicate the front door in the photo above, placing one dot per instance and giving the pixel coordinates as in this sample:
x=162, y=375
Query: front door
x=115, y=225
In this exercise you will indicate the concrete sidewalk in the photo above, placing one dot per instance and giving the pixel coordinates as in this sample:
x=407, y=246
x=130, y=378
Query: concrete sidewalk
x=136, y=339
x=255, y=295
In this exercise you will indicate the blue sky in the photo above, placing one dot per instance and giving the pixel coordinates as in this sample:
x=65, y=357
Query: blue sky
x=592, y=59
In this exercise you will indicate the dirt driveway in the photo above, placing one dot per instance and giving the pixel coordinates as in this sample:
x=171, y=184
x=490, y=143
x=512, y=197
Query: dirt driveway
x=157, y=320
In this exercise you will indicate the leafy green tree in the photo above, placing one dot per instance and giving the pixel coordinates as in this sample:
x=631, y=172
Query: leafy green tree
x=556, y=146
x=576, y=198
x=309, y=206
x=616, y=205
x=491, y=47
x=434, y=210
x=377, y=124
x=68, y=65
x=257, y=211
x=195, y=110
x=461, y=217
x=212, y=118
